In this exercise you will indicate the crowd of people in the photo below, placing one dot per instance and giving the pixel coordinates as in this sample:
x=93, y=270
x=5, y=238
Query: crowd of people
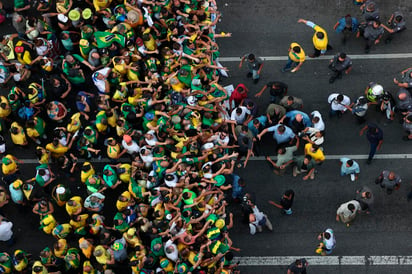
x=137, y=84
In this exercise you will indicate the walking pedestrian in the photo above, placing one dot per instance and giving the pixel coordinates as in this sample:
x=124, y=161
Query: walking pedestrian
x=389, y=180
x=254, y=65
x=319, y=39
x=339, y=64
x=258, y=219
x=304, y=164
x=284, y=158
x=397, y=24
x=406, y=79
x=359, y=109
x=374, y=135
x=346, y=212
x=349, y=167
x=338, y=103
x=365, y=198
x=6, y=232
x=328, y=242
x=372, y=34
x=277, y=90
x=346, y=25
x=296, y=57
x=298, y=266
x=286, y=202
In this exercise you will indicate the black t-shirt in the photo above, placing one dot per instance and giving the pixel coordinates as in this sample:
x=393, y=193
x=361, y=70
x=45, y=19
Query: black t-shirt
x=292, y=267
x=279, y=90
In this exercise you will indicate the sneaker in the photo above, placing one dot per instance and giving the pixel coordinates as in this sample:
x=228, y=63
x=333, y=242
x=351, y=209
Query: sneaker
x=249, y=75
x=369, y=161
x=255, y=81
x=367, y=50
x=331, y=80
x=352, y=177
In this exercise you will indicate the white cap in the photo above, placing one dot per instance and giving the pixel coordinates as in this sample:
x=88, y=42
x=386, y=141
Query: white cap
x=377, y=90
x=62, y=18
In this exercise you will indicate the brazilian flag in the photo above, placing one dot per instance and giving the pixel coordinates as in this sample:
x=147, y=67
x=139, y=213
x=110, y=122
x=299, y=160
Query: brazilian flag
x=105, y=39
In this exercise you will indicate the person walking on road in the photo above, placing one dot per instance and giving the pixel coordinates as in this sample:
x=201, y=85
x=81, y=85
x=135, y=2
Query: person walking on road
x=304, y=164
x=389, y=180
x=346, y=212
x=328, y=242
x=286, y=202
x=346, y=25
x=298, y=266
x=372, y=34
x=365, y=198
x=276, y=89
x=338, y=104
x=296, y=57
x=339, y=64
x=6, y=233
x=319, y=39
x=397, y=23
x=375, y=138
x=349, y=167
x=254, y=66
x=258, y=219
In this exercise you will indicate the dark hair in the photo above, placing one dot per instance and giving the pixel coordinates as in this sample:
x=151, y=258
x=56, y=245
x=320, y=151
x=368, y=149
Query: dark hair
x=320, y=35
x=398, y=18
x=238, y=110
x=251, y=57
x=244, y=128
x=339, y=97
x=308, y=157
x=342, y=55
x=326, y=235
x=281, y=128
x=296, y=49
x=351, y=207
x=350, y=162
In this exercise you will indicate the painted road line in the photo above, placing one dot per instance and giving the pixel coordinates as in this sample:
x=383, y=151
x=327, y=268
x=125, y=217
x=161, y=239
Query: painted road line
x=354, y=157
x=327, y=57
x=262, y=158
x=327, y=260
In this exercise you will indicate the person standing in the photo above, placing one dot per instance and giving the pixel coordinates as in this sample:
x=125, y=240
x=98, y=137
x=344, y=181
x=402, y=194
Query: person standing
x=328, y=242
x=389, y=180
x=346, y=25
x=346, y=212
x=284, y=158
x=338, y=104
x=406, y=79
x=254, y=66
x=298, y=266
x=319, y=39
x=359, y=109
x=296, y=57
x=375, y=138
x=304, y=164
x=258, y=219
x=276, y=89
x=6, y=233
x=349, y=167
x=286, y=202
x=365, y=198
x=397, y=23
x=339, y=64
x=281, y=134
x=372, y=34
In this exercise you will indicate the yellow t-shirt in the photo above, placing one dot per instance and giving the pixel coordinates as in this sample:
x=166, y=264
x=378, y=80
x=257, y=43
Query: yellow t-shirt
x=320, y=44
x=317, y=156
x=296, y=57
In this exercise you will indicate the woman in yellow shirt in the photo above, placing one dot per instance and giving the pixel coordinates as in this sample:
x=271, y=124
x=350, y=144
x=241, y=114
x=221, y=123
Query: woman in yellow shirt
x=17, y=134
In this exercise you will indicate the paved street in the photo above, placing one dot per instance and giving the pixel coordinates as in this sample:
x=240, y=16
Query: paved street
x=266, y=28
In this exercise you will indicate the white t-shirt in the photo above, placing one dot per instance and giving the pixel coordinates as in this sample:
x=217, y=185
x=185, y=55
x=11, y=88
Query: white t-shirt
x=239, y=118
x=173, y=255
x=338, y=106
x=5, y=231
x=132, y=148
x=153, y=141
x=100, y=83
x=319, y=125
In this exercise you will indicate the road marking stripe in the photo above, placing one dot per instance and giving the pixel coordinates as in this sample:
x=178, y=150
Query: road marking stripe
x=327, y=260
x=328, y=57
x=262, y=158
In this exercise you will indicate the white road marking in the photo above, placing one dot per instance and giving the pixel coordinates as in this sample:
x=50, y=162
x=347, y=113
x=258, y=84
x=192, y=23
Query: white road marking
x=328, y=57
x=327, y=260
x=263, y=158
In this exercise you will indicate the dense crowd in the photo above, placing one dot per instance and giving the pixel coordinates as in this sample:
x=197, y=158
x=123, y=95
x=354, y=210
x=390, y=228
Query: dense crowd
x=136, y=83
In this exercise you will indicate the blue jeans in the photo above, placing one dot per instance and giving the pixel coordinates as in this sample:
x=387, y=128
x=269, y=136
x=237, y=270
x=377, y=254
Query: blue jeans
x=237, y=191
x=372, y=150
x=290, y=64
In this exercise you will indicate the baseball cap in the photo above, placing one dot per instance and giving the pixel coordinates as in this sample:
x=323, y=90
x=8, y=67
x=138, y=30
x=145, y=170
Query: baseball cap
x=62, y=18
x=74, y=15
